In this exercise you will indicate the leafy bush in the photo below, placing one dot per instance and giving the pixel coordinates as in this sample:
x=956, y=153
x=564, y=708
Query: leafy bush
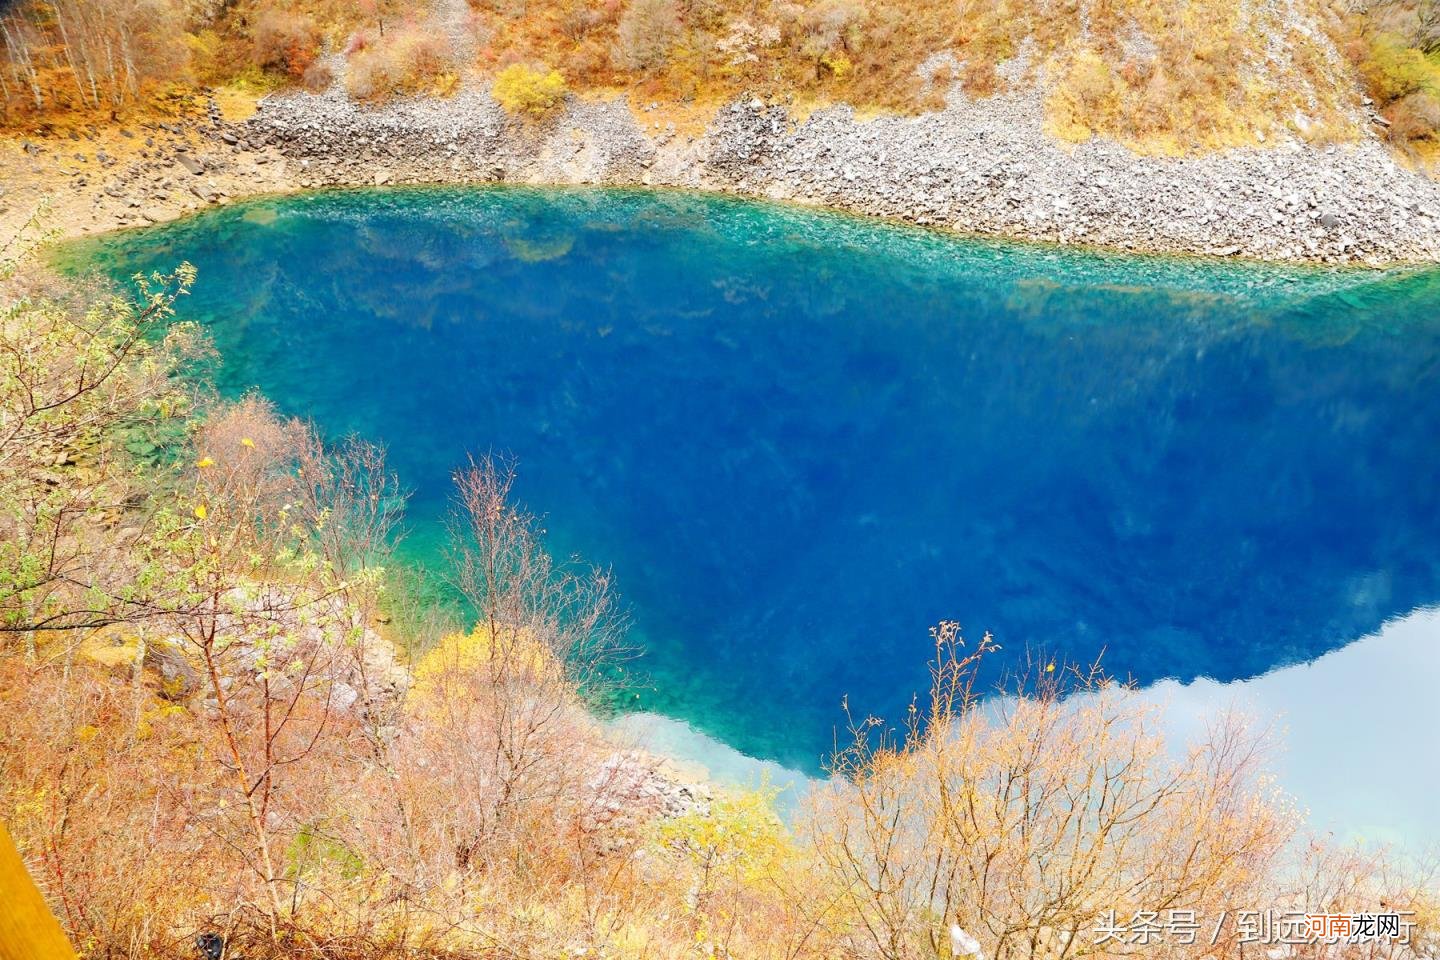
x=738, y=833
x=216, y=58
x=1415, y=117
x=1393, y=71
x=527, y=91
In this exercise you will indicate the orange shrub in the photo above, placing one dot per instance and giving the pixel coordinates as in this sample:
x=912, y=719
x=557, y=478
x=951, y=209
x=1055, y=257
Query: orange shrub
x=285, y=42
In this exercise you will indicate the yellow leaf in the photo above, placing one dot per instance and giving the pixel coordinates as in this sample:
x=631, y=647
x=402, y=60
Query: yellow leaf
x=1049, y=668
x=200, y=511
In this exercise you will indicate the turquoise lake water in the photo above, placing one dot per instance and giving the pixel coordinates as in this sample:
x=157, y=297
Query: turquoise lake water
x=799, y=439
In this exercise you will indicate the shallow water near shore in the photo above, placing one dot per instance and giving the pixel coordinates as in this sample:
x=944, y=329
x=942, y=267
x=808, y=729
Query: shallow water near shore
x=800, y=439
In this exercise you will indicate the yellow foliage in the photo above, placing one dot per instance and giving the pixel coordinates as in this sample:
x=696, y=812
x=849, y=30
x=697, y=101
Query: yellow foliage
x=1404, y=82
x=839, y=65
x=1087, y=100
x=1393, y=70
x=740, y=835
x=522, y=90
x=481, y=649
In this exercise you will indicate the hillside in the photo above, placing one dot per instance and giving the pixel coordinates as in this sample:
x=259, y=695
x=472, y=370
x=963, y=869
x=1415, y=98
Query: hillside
x=1159, y=75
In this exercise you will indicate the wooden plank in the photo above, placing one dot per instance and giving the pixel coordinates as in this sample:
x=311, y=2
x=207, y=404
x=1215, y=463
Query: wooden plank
x=28, y=930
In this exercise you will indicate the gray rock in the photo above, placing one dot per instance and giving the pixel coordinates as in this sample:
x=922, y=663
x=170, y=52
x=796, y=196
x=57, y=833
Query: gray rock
x=981, y=166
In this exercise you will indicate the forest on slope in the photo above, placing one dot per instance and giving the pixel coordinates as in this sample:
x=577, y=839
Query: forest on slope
x=1161, y=75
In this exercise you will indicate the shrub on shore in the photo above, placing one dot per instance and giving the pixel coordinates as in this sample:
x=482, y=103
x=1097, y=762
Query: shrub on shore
x=528, y=91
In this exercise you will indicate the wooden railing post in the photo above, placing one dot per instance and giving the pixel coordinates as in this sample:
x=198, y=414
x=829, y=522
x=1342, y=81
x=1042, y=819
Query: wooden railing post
x=28, y=930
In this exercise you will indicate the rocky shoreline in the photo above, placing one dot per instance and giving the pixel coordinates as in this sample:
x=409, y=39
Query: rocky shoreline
x=980, y=167
x=984, y=167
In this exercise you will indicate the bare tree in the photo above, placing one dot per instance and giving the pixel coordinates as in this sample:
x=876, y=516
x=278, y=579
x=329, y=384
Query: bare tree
x=515, y=586
x=352, y=502
x=499, y=704
x=94, y=53
x=1019, y=819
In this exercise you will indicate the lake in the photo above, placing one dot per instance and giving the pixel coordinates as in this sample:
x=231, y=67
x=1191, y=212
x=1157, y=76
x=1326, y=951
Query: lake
x=800, y=439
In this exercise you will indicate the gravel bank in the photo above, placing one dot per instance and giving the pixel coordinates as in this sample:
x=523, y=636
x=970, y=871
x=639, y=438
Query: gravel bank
x=983, y=167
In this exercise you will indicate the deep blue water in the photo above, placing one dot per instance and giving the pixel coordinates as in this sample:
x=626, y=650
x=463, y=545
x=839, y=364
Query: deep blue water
x=800, y=439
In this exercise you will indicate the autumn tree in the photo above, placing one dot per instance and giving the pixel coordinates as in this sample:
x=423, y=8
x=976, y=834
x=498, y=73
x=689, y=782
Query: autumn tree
x=91, y=54
x=78, y=372
x=545, y=631
x=1018, y=820
x=496, y=770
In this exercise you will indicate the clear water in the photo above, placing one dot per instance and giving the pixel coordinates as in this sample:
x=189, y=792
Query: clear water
x=800, y=439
